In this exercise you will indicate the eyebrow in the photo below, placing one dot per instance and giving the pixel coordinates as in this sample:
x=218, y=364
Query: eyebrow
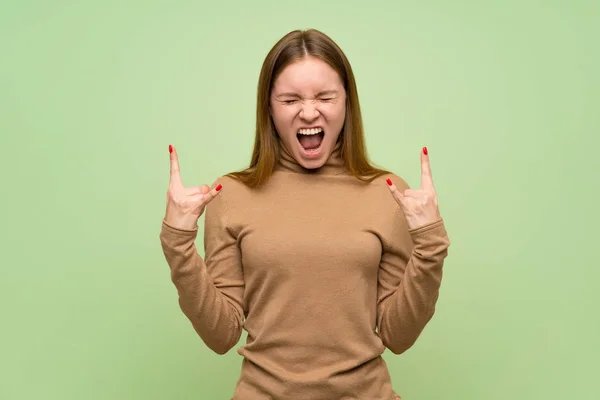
x=321, y=93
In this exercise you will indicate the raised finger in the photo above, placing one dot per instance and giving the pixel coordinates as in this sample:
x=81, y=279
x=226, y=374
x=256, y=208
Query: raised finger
x=426, y=177
x=211, y=194
x=175, y=176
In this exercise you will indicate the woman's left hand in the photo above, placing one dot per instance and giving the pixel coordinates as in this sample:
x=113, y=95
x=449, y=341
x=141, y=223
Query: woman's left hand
x=420, y=206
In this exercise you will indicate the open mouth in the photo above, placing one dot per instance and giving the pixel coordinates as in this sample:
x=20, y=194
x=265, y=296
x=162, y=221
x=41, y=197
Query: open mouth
x=311, y=139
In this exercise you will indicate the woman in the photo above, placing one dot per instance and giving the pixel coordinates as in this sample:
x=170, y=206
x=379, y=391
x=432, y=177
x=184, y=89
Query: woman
x=323, y=259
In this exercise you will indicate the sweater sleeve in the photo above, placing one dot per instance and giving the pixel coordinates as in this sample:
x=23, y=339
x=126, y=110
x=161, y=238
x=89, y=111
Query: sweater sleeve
x=410, y=276
x=210, y=291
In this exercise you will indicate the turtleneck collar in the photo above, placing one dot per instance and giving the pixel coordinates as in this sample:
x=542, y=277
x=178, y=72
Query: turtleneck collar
x=333, y=166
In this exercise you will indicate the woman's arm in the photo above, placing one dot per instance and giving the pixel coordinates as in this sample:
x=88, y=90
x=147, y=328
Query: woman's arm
x=210, y=290
x=410, y=276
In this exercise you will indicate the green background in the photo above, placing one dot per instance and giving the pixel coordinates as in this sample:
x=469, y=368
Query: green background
x=505, y=94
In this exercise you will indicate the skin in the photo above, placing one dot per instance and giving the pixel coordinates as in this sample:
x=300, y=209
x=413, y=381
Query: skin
x=185, y=205
x=420, y=206
x=308, y=93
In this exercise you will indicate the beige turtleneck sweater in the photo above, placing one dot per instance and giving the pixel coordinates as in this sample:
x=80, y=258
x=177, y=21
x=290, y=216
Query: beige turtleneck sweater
x=322, y=272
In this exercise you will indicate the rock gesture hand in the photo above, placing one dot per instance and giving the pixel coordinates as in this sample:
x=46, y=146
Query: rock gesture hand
x=185, y=205
x=420, y=206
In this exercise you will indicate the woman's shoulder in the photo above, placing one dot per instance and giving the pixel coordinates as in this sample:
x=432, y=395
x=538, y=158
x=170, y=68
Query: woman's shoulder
x=382, y=178
x=231, y=197
x=377, y=193
x=226, y=179
x=231, y=184
x=397, y=180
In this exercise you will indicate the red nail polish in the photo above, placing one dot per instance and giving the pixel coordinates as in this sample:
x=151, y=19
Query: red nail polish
x=425, y=150
x=389, y=181
x=219, y=187
x=170, y=149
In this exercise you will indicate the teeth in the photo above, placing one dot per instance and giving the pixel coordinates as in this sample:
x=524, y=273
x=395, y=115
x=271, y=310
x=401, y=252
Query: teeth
x=312, y=131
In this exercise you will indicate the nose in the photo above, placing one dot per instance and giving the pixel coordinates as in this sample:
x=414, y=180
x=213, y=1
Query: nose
x=309, y=111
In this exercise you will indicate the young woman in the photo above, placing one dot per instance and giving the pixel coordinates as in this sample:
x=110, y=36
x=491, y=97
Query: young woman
x=323, y=259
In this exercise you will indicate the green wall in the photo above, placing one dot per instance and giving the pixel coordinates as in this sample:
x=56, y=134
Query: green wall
x=505, y=95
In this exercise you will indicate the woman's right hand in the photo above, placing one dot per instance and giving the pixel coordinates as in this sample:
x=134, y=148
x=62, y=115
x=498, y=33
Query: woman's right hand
x=185, y=205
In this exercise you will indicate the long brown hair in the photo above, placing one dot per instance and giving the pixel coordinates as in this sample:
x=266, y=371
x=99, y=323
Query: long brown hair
x=294, y=46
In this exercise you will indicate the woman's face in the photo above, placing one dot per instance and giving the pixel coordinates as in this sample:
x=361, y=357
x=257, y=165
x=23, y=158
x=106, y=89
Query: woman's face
x=308, y=107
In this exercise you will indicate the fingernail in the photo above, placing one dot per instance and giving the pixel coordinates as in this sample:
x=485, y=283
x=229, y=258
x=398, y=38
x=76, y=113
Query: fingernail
x=219, y=187
x=389, y=181
x=170, y=149
x=425, y=150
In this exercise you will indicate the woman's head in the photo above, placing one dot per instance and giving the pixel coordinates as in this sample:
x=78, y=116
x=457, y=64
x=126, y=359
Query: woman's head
x=307, y=105
x=306, y=81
